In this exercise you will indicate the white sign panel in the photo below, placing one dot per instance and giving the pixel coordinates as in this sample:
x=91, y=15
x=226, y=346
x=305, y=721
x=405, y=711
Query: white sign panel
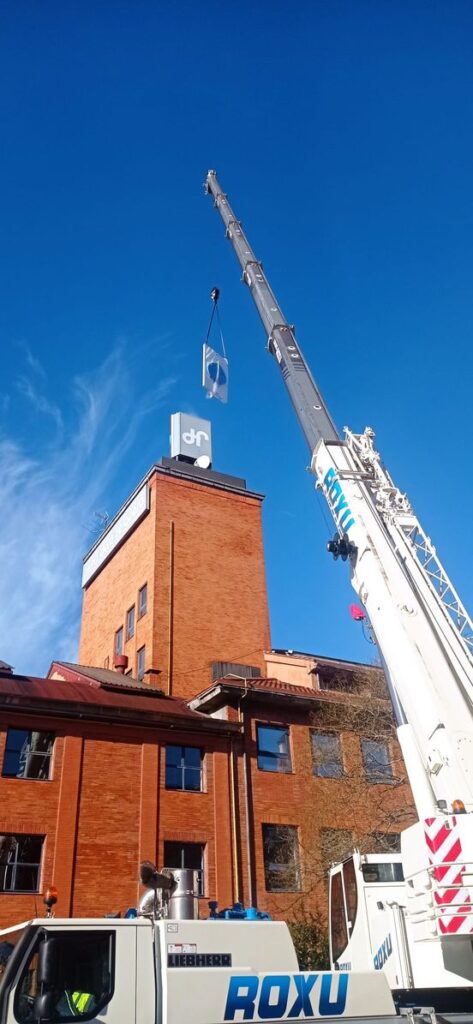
x=190, y=436
x=116, y=533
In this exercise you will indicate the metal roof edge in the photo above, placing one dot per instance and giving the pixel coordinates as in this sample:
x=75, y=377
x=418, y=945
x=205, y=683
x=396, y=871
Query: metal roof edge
x=86, y=712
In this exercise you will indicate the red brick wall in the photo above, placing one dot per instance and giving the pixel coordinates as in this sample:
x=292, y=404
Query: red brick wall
x=107, y=599
x=312, y=804
x=220, y=610
x=106, y=809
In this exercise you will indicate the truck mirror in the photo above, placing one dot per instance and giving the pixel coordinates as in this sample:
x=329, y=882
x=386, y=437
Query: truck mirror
x=48, y=961
x=44, y=1006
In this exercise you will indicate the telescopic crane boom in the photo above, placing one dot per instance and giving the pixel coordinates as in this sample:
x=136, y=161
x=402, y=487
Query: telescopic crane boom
x=309, y=406
x=423, y=632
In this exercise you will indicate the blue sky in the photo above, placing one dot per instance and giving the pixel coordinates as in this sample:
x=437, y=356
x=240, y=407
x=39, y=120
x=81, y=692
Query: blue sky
x=343, y=134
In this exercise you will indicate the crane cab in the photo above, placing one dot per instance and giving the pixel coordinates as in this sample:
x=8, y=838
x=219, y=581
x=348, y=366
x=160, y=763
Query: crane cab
x=366, y=912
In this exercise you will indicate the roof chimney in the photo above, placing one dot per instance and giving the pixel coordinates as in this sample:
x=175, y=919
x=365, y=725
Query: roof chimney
x=151, y=677
x=5, y=669
x=120, y=663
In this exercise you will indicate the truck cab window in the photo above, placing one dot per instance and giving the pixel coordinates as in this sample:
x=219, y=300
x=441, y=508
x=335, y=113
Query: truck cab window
x=386, y=871
x=338, y=926
x=80, y=983
x=351, y=895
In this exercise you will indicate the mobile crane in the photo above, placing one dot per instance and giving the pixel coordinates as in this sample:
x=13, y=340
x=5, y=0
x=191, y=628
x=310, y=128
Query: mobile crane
x=163, y=966
x=409, y=916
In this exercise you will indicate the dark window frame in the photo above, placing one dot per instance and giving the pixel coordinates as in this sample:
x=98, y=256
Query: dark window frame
x=118, y=647
x=141, y=652
x=274, y=757
x=271, y=866
x=130, y=617
x=142, y=611
x=318, y=767
x=45, y=755
x=184, y=844
x=183, y=768
x=16, y=864
x=376, y=771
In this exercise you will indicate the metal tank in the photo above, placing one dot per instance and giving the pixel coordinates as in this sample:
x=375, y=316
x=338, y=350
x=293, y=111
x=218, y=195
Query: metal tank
x=183, y=903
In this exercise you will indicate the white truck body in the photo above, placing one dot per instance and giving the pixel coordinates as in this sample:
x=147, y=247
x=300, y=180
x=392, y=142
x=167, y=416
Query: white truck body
x=178, y=972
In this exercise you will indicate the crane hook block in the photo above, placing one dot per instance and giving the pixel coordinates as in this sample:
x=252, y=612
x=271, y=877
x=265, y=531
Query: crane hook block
x=341, y=547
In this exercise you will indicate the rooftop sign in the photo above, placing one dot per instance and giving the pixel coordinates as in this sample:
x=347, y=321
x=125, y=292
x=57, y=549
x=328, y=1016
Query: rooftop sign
x=191, y=439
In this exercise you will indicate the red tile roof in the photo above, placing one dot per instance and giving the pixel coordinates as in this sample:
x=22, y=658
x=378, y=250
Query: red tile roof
x=213, y=696
x=274, y=685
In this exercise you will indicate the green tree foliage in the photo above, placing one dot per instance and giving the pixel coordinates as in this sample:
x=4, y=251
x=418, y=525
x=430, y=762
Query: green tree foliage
x=310, y=938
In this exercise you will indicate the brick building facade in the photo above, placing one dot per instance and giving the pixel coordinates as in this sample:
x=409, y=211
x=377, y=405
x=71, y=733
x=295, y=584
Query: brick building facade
x=206, y=748
x=196, y=544
x=232, y=783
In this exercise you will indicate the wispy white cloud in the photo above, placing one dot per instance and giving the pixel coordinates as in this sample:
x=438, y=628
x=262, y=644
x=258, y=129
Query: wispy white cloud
x=39, y=401
x=32, y=361
x=46, y=498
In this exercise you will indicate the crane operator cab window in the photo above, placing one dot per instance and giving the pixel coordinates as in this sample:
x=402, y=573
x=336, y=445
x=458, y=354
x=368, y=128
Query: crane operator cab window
x=343, y=907
x=68, y=976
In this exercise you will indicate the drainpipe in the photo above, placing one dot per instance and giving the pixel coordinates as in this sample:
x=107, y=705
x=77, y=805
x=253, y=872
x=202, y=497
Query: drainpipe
x=237, y=897
x=250, y=832
x=171, y=608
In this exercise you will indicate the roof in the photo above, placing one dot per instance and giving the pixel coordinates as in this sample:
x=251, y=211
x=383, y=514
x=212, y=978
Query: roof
x=108, y=678
x=223, y=689
x=87, y=698
x=323, y=660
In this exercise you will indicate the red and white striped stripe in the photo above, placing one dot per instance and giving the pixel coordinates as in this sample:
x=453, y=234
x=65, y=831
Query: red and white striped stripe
x=445, y=856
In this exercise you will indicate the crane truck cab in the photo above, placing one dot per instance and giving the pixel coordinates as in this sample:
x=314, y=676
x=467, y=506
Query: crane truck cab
x=366, y=905
x=144, y=971
x=380, y=920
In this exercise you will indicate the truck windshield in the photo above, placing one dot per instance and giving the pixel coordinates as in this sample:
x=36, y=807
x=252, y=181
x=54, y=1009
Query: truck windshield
x=8, y=941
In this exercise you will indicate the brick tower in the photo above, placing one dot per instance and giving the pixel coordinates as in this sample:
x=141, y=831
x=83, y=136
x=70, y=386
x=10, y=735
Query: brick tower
x=176, y=583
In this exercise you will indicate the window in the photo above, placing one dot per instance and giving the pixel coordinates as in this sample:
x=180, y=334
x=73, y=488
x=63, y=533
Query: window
x=140, y=662
x=186, y=855
x=130, y=623
x=28, y=754
x=383, y=842
x=119, y=641
x=351, y=895
x=344, y=682
x=336, y=844
x=20, y=861
x=143, y=600
x=281, y=858
x=327, y=755
x=83, y=967
x=376, y=760
x=273, y=748
x=222, y=669
x=184, y=768
x=338, y=925
x=383, y=872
